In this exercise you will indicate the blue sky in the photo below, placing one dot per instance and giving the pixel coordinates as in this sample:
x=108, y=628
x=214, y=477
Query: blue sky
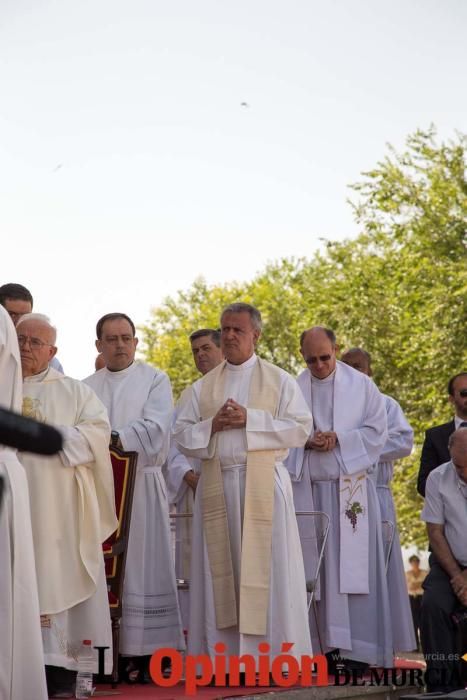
x=128, y=165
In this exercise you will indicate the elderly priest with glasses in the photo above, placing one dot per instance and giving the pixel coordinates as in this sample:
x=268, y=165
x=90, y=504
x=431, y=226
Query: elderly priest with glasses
x=72, y=507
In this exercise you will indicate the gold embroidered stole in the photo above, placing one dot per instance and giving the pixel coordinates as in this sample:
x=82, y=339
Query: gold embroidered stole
x=264, y=393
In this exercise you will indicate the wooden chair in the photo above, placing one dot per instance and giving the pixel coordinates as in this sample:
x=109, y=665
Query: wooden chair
x=115, y=547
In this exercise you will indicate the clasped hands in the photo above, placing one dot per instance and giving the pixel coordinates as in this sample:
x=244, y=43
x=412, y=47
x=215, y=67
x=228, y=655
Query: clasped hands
x=191, y=479
x=322, y=441
x=230, y=416
x=459, y=586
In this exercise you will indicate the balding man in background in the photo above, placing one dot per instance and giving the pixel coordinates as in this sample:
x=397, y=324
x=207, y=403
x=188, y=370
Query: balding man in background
x=398, y=445
x=332, y=474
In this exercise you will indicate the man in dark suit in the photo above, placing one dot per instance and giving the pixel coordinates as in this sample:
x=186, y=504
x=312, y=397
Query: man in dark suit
x=435, y=448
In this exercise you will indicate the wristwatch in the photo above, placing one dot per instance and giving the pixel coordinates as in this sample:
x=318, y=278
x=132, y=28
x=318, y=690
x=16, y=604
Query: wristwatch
x=114, y=438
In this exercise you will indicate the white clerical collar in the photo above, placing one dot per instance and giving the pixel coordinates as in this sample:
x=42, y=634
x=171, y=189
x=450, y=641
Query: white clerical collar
x=37, y=377
x=458, y=421
x=120, y=372
x=245, y=365
x=326, y=380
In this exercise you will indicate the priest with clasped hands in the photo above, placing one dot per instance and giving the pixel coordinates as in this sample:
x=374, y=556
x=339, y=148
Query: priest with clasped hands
x=332, y=475
x=247, y=577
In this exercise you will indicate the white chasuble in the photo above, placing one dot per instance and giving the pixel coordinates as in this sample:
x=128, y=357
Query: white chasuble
x=139, y=404
x=73, y=512
x=286, y=608
x=21, y=655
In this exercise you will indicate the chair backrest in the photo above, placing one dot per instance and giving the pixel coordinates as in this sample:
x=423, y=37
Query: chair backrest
x=388, y=531
x=180, y=525
x=115, y=547
x=313, y=526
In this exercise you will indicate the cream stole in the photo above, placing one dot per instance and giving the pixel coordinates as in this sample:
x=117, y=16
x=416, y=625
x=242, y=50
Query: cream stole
x=57, y=399
x=264, y=393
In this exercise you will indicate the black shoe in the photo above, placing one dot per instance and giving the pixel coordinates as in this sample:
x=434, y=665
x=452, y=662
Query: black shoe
x=335, y=661
x=353, y=665
x=135, y=669
x=60, y=682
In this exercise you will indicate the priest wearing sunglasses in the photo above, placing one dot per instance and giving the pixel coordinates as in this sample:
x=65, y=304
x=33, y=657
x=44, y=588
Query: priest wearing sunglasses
x=330, y=474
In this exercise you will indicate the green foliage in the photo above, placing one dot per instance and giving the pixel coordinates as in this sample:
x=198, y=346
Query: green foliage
x=398, y=290
x=166, y=343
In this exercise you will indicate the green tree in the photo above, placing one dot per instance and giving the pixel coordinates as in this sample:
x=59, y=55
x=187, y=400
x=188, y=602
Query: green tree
x=398, y=290
x=166, y=338
x=413, y=209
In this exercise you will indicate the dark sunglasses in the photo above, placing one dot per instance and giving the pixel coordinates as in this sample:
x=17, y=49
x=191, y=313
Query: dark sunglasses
x=314, y=360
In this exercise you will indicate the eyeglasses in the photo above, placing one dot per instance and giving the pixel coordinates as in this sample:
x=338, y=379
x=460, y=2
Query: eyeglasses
x=34, y=343
x=314, y=360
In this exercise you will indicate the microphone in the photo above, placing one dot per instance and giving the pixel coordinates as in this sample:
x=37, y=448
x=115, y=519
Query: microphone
x=28, y=435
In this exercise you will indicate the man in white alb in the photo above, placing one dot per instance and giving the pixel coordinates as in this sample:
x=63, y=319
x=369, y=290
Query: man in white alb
x=247, y=576
x=398, y=445
x=138, y=399
x=331, y=474
x=21, y=656
x=182, y=472
x=72, y=506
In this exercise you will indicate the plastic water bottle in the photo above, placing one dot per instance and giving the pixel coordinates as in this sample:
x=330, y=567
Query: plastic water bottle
x=84, y=676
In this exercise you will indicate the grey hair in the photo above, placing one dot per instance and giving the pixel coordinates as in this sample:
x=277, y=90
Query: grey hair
x=456, y=435
x=240, y=308
x=215, y=335
x=39, y=318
